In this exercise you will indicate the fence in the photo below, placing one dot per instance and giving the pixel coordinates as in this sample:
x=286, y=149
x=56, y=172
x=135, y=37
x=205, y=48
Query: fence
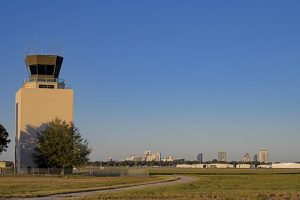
x=88, y=171
x=112, y=171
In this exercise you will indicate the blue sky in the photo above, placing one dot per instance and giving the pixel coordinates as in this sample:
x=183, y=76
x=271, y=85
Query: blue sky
x=176, y=77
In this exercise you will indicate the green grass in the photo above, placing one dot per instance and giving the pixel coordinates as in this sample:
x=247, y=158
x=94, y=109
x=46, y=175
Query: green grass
x=32, y=186
x=221, y=184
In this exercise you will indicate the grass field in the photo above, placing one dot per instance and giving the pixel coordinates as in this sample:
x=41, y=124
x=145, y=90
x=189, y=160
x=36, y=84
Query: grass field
x=211, y=171
x=32, y=186
x=263, y=184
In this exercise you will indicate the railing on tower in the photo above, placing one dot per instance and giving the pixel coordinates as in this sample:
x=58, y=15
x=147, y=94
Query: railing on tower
x=47, y=80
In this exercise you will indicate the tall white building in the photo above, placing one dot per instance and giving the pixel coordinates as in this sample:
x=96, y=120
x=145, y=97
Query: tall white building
x=149, y=156
x=264, y=156
x=200, y=157
x=246, y=158
x=222, y=156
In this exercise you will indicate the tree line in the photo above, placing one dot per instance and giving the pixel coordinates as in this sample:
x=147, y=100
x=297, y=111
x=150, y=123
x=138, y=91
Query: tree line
x=127, y=163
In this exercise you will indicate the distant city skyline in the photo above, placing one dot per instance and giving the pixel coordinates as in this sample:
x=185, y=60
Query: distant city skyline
x=171, y=76
x=222, y=156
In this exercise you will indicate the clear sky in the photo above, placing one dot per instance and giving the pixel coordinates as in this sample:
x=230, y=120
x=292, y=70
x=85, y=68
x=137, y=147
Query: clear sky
x=176, y=77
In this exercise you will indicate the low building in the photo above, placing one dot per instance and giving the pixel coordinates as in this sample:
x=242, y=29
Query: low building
x=168, y=159
x=201, y=166
x=220, y=165
x=264, y=166
x=134, y=158
x=243, y=166
x=184, y=166
x=198, y=166
x=2, y=165
x=285, y=165
x=6, y=166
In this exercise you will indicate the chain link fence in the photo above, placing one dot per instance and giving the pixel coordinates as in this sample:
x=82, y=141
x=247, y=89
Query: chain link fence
x=112, y=171
x=88, y=171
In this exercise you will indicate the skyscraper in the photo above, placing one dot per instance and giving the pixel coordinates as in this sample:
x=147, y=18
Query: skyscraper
x=246, y=158
x=42, y=98
x=255, y=158
x=149, y=156
x=200, y=157
x=264, y=156
x=222, y=156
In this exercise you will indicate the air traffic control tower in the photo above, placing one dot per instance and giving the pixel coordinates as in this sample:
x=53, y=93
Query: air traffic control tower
x=42, y=98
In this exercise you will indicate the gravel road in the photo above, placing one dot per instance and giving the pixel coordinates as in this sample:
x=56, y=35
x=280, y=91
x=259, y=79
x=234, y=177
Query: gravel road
x=75, y=195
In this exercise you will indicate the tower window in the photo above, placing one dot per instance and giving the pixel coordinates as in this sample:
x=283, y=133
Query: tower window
x=33, y=69
x=46, y=86
x=41, y=69
x=49, y=69
x=42, y=86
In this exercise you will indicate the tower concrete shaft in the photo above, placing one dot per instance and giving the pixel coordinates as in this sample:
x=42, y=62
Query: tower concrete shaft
x=42, y=98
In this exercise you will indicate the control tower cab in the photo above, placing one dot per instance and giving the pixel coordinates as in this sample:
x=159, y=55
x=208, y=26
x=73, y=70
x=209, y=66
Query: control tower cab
x=44, y=71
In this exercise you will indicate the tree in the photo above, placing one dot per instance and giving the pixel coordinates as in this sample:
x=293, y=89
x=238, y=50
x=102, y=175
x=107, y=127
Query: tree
x=3, y=139
x=60, y=145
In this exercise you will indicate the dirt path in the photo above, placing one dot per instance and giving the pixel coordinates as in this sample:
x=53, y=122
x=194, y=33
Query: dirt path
x=75, y=195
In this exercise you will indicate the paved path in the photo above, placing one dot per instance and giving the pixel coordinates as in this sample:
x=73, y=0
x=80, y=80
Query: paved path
x=75, y=195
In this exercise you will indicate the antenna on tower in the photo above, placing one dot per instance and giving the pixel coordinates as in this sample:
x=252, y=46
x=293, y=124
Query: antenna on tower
x=59, y=50
x=25, y=49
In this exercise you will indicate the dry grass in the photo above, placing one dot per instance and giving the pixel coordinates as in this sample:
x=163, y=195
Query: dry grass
x=211, y=171
x=222, y=184
x=32, y=186
x=262, y=184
